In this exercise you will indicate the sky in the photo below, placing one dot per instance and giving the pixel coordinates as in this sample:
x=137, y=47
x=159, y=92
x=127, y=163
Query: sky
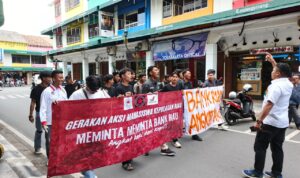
x=28, y=16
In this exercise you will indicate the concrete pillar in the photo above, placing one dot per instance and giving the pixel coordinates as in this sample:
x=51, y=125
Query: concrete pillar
x=29, y=78
x=86, y=32
x=149, y=59
x=54, y=42
x=156, y=13
x=64, y=38
x=85, y=68
x=97, y=68
x=116, y=20
x=211, y=57
x=111, y=59
x=65, y=68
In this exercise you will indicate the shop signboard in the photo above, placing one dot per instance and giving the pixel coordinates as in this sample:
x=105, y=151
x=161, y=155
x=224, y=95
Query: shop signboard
x=185, y=47
x=286, y=49
x=1, y=55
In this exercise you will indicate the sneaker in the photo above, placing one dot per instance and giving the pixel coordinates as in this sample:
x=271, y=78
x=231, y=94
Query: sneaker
x=197, y=138
x=176, y=144
x=128, y=167
x=38, y=151
x=167, y=152
x=252, y=174
x=223, y=127
x=271, y=175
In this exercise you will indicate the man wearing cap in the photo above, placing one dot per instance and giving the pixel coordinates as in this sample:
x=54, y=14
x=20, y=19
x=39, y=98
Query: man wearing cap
x=213, y=82
x=35, y=96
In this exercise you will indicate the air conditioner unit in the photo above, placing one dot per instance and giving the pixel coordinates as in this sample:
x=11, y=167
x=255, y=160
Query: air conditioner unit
x=111, y=50
x=143, y=46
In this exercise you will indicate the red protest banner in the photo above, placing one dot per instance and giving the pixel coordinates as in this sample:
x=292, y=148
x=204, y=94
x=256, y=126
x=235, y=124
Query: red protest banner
x=89, y=134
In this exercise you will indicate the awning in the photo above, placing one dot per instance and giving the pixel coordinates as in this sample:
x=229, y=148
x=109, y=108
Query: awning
x=109, y=3
x=218, y=17
x=48, y=31
x=25, y=52
x=92, y=43
x=25, y=69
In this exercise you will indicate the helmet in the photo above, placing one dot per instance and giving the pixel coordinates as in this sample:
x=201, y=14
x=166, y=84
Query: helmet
x=232, y=95
x=247, y=87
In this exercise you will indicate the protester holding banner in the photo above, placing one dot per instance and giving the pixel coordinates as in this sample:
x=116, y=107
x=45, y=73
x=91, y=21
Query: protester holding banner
x=187, y=84
x=51, y=95
x=108, y=85
x=152, y=86
x=173, y=86
x=273, y=122
x=91, y=91
x=125, y=89
x=213, y=82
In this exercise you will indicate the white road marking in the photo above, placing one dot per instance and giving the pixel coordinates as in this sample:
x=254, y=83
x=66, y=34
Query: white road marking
x=11, y=96
x=29, y=142
x=2, y=97
x=291, y=135
x=20, y=96
x=247, y=131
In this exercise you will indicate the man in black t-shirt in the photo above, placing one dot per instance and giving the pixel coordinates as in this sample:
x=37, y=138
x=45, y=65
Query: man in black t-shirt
x=125, y=89
x=35, y=96
x=108, y=85
x=71, y=86
x=173, y=86
x=117, y=79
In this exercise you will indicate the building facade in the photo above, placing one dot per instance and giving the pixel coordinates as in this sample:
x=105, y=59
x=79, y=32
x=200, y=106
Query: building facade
x=22, y=56
x=99, y=37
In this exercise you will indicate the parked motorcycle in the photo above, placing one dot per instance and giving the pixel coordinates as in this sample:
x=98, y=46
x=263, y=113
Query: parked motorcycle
x=239, y=106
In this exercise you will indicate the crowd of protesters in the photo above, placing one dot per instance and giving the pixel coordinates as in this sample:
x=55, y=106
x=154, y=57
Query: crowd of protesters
x=124, y=84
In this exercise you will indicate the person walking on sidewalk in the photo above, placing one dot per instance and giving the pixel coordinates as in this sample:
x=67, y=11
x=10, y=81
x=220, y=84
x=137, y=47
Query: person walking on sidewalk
x=273, y=122
x=91, y=91
x=295, y=101
x=51, y=95
x=35, y=96
x=213, y=82
x=152, y=86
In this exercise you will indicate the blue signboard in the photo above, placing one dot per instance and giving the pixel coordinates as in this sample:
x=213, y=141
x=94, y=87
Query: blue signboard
x=1, y=55
x=191, y=46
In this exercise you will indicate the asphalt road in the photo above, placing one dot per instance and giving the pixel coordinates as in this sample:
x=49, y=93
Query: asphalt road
x=221, y=154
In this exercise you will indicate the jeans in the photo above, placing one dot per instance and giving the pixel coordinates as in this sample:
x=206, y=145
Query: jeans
x=47, y=137
x=294, y=114
x=275, y=137
x=89, y=174
x=38, y=132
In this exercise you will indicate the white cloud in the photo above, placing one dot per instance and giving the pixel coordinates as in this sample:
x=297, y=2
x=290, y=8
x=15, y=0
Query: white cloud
x=28, y=16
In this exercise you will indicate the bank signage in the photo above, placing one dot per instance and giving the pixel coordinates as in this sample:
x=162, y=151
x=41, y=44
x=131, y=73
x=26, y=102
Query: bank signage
x=185, y=47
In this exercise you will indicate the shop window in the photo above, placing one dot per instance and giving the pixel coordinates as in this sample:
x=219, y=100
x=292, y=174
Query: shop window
x=167, y=8
x=58, y=41
x=131, y=20
x=73, y=35
x=22, y=59
x=177, y=7
x=70, y=4
x=93, y=25
x=38, y=59
x=57, y=9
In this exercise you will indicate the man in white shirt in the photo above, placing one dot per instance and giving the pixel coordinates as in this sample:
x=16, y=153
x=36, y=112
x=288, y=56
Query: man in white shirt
x=51, y=95
x=91, y=91
x=273, y=121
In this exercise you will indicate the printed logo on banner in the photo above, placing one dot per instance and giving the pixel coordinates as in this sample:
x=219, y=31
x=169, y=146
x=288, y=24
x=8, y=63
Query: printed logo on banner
x=152, y=99
x=139, y=100
x=128, y=103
